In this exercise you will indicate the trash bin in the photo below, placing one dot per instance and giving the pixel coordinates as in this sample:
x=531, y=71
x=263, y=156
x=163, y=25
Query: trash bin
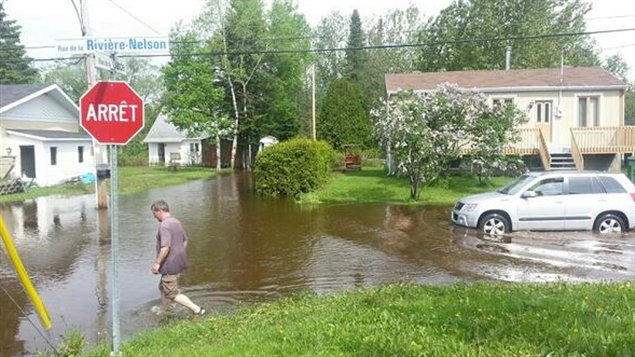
x=103, y=171
x=631, y=167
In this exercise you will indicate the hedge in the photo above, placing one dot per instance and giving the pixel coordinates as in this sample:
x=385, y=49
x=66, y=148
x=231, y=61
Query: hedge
x=293, y=167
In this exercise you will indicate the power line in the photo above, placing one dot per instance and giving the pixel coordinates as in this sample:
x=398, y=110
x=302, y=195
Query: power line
x=375, y=47
x=134, y=17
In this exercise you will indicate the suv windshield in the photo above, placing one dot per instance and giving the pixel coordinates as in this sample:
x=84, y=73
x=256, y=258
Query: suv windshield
x=515, y=186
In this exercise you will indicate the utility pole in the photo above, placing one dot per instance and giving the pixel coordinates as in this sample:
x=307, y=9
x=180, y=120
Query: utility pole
x=313, y=101
x=98, y=150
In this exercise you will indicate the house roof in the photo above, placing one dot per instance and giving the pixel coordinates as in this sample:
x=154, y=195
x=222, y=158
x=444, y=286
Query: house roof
x=162, y=131
x=13, y=95
x=50, y=135
x=10, y=93
x=574, y=78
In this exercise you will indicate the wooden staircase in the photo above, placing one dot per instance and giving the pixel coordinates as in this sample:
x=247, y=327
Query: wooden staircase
x=562, y=161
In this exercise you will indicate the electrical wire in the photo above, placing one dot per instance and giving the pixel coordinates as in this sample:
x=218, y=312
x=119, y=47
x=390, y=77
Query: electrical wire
x=375, y=47
x=134, y=17
x=28, y=319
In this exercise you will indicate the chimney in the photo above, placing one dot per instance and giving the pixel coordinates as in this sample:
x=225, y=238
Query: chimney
x=508, y=58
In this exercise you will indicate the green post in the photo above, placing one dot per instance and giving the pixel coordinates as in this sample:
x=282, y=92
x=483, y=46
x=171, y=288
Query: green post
x=631, y=167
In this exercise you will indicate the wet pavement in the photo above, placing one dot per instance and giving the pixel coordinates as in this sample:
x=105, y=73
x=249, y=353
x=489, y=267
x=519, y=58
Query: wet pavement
x=247, y=249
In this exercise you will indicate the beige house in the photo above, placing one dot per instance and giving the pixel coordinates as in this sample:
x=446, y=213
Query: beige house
x=574, y=116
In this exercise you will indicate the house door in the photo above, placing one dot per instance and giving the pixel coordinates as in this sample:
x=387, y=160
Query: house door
x=161, y=153
x=544, y=118
x=27, y=160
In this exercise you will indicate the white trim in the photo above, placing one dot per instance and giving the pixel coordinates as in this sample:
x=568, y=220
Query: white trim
x=45, y=90
x=527, y=89
x=41, y=138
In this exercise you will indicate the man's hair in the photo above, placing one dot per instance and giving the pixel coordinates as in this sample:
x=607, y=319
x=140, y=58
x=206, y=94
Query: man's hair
x=160, y=205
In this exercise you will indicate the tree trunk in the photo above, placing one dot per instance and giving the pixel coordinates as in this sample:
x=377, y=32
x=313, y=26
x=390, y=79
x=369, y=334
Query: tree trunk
x=218, y=153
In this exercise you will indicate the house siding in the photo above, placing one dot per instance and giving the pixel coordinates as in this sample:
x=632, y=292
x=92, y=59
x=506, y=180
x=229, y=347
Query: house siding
x=42, y=109
x=67, y=166
x=567, y=102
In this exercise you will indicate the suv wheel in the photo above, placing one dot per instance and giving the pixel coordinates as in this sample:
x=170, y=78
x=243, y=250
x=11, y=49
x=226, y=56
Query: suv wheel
x=609, y=223
x=494, y=224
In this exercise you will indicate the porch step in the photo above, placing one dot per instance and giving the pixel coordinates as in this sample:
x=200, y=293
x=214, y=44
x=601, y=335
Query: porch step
x=562, y=161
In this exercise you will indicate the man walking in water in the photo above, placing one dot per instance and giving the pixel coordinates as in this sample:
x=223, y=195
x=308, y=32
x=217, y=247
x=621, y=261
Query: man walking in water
x=171, y=258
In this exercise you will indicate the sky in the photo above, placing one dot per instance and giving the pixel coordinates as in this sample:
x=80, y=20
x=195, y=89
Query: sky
x=45, y=21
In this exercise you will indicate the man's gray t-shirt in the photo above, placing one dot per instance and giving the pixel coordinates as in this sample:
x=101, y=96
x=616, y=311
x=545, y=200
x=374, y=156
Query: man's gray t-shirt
x=171, y=234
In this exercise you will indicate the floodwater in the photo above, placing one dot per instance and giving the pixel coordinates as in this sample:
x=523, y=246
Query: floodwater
x=245, y=249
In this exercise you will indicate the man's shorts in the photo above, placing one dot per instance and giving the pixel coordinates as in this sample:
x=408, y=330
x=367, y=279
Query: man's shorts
x=169, y=285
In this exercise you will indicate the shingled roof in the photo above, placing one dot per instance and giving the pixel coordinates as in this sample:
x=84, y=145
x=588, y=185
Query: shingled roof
x=517, y=79
x=10, y=93
x=162, y=131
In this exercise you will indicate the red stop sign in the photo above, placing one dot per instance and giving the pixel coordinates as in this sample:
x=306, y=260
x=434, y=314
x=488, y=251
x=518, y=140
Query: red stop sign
x=111, y=112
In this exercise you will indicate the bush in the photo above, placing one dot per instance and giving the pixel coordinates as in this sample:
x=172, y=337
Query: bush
x=293, y=167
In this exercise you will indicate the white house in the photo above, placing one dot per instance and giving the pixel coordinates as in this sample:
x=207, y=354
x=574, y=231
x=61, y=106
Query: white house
x=39, y=130
x=167, y=144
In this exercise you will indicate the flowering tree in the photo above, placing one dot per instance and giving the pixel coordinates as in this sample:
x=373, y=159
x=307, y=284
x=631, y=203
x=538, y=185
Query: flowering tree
x=425, y=132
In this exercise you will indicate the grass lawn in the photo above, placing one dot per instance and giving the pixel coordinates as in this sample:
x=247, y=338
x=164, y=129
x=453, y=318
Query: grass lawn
x=371, y=185
x=553, y=319
x=131, y=180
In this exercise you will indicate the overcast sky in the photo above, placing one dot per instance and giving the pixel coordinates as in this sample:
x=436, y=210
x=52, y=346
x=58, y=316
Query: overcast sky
x=44, y=21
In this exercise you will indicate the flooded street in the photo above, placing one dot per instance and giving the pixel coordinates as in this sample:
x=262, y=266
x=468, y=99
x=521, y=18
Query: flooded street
x=246, y=249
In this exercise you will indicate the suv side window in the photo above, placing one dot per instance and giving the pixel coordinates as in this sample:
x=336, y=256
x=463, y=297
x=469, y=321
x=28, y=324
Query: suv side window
x=549, y=187
x=611, y=185
x=584, y=185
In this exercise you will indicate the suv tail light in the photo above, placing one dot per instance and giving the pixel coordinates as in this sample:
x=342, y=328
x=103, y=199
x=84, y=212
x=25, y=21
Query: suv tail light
x=633, y=196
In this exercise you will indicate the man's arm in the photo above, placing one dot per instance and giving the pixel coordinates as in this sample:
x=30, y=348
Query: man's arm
x=163, y=252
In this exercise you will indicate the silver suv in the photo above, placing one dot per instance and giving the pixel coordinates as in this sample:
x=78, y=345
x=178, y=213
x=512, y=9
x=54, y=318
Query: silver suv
x=553, y=201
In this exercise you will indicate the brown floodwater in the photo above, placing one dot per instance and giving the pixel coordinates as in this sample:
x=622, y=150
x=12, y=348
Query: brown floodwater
x=246, y=249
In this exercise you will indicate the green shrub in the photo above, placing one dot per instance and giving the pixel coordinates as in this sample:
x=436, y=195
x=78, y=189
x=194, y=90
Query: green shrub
x=293, y=167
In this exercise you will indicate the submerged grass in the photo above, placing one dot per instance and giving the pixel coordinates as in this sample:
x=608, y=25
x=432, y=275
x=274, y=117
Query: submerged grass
x=372, y=185
x=407, y=320
x=131, y=180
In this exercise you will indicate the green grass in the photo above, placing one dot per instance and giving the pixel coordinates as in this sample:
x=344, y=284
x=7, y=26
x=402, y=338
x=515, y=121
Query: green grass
x=372, y=185
x=131, y=180
x=405, y=320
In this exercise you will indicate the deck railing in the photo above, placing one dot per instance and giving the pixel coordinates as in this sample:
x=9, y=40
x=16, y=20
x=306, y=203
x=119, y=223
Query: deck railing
x=529, y=143
x=604, y=140
x=577, y=156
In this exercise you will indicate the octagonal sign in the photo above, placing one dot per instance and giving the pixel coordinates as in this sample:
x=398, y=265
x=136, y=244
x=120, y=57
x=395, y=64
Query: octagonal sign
x=111, y=112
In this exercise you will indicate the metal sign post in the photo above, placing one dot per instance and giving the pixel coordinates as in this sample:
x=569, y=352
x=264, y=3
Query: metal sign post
x=112, y=113
x=114, y=242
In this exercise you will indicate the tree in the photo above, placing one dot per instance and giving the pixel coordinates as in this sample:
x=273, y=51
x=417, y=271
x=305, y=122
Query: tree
x=193, y=98
x=15, y=65
x=427, y=131
x=397, y=27
x=617, y=66
x=343, y=118
x=464, y=35
x=330, y=33
x=494, y=129
x=355, y=56
x=71, y=78
x=285, y=86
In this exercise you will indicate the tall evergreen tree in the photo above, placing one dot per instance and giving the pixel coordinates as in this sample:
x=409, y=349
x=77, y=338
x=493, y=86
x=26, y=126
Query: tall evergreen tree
x=15, y=65
x=355, y=58
x=343, y=118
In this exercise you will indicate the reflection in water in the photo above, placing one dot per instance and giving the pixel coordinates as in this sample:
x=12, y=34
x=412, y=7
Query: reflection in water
x=246, y=249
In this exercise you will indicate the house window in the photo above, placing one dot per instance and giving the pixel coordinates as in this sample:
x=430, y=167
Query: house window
x=194, y=147
x=588, y=111
x=500, y=102
x=80, y=154
x=53, y=155
x=543, y=111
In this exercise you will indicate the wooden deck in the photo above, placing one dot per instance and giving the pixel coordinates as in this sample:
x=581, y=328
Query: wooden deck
x=588, y=140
